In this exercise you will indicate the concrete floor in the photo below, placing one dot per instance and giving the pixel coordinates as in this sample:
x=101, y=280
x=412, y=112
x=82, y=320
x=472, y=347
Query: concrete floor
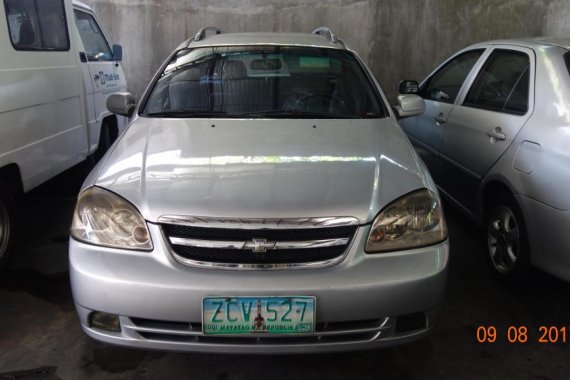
x=40, y=337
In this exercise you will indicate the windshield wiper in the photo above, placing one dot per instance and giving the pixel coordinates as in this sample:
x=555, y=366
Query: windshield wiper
x=186, y=113
x=285, y=114
x=296, y=114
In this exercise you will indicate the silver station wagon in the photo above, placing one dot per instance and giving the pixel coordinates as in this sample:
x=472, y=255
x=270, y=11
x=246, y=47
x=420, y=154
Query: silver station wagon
x=496, y=137
x=263, y=200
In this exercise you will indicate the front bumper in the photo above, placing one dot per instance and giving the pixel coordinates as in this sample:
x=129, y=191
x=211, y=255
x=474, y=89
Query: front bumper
x=360, y=302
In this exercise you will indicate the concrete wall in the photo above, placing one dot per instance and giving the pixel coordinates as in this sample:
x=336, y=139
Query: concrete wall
x=397, y=38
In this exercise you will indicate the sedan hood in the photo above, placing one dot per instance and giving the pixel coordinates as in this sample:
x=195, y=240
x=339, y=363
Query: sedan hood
x=261, y=168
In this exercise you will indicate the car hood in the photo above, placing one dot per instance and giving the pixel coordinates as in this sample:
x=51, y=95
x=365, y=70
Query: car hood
x=260, y=168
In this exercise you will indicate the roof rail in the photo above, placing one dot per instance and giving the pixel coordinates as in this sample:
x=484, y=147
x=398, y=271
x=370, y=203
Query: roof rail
x=202, y=32
x=185, y=43
x=323, y=29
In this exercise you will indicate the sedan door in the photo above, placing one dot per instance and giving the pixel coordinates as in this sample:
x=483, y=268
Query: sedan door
x=483, y=126
x=440, y=91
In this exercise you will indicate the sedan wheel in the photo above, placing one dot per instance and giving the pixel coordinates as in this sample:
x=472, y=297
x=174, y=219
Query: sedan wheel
x=503, y=239
x=508, y=253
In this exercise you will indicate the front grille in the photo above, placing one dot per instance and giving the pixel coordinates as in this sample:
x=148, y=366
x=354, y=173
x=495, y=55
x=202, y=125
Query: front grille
x=262, y=339
x=233, y=256
x=184, y=332
x=249, y=234
x=261, y=247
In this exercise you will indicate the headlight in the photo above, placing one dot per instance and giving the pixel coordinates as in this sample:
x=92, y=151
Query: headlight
x=104, y=218
x=415, y=220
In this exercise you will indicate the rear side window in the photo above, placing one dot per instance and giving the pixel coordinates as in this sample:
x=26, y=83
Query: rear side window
x=502, y=84
x=444, y=85
x=94, y=42
x=37, y=24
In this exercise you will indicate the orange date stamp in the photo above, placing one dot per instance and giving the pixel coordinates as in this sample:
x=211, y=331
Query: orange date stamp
x=521, y=334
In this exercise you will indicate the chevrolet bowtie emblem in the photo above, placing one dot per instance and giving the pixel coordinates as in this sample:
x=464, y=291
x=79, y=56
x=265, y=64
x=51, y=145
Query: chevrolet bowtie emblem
x=259, y=245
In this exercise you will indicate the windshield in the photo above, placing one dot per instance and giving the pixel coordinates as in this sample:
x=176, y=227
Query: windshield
x=264, y=81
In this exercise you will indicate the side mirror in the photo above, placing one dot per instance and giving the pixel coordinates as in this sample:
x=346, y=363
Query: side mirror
x=117, y=52
x=121, y=103
x=408, y=87
x=409, y=105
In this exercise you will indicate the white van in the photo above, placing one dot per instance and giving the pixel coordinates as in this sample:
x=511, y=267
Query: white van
x=56, y=72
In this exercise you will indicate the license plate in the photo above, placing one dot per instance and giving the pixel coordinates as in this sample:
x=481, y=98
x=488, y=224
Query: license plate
x=263, y=315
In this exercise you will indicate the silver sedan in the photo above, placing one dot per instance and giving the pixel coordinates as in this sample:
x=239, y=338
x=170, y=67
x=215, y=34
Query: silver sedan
x=496, y=138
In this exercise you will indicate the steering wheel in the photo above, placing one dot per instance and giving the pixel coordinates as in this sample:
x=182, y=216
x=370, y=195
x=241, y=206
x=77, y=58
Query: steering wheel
x=322, y=100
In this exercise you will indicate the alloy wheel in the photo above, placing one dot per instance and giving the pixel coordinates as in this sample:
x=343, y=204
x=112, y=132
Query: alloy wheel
x=503, y=239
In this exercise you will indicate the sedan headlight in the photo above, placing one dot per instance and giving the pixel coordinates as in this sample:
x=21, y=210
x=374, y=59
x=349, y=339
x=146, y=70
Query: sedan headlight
x=104, y=218
x=415, y=220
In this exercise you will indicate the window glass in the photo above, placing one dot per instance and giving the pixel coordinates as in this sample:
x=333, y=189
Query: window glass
x=37, y=24
x=518, y=100
x=258, y=81
x=502, y=84
x=445, y=84
x=96, y=47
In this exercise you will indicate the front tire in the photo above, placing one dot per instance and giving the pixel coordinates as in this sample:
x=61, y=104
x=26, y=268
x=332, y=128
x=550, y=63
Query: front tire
x=107, y=137
x=508, y=253
x=7, y=227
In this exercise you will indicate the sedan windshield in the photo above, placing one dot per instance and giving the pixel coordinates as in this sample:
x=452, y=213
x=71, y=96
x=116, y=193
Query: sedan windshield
x=264, y=82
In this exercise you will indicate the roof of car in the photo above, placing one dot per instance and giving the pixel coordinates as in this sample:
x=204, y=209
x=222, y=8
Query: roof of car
x=533, y=42
x=288, y=39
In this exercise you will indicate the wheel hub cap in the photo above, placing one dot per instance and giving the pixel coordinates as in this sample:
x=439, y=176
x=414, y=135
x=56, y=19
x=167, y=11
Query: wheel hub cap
x=503, y=239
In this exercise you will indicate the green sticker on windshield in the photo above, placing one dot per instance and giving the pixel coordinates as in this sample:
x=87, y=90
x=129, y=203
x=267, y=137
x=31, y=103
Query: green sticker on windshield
x=315, y=62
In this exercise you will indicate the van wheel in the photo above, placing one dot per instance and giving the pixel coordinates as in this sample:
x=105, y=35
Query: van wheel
x=106, y=138
x=7, y=227
x=508, y=253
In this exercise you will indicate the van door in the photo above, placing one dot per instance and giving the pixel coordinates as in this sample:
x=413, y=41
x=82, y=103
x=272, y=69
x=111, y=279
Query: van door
x=41, y=96
x=103, y=75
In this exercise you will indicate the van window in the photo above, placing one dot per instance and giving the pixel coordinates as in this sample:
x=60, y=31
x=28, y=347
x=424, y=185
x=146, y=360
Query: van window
x=37, y=24
x=96, y=47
